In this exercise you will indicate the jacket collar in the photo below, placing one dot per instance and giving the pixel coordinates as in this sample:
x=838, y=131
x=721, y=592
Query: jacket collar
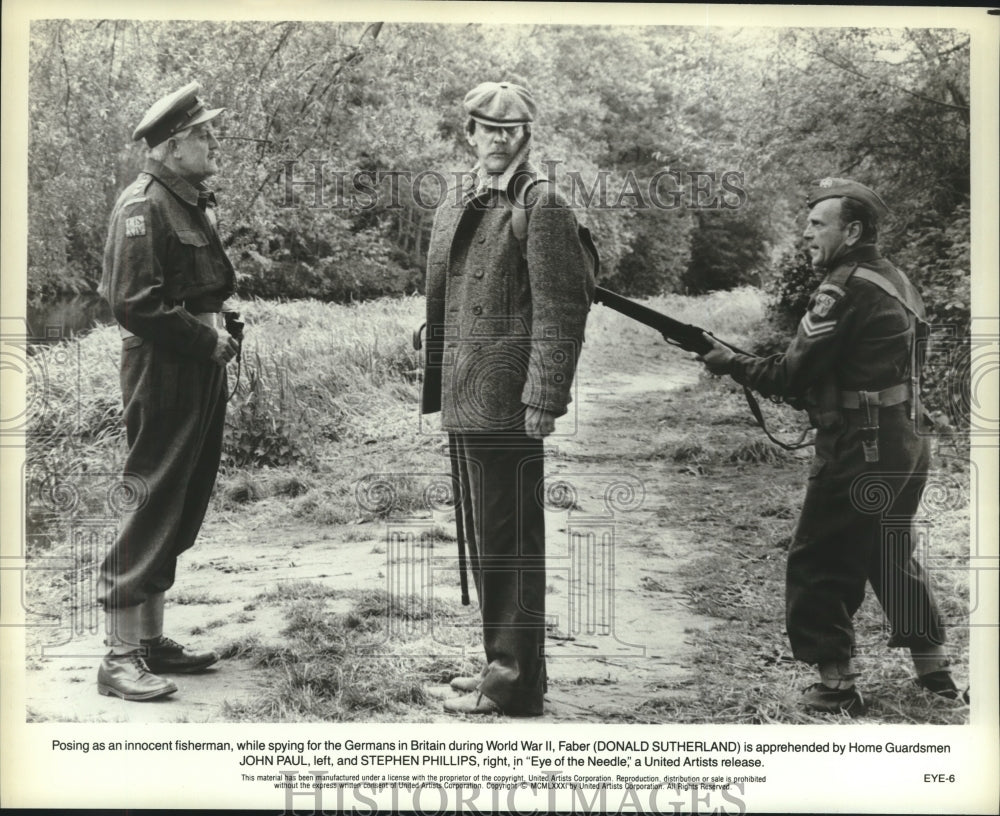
x=866, y=253
x=182, y=188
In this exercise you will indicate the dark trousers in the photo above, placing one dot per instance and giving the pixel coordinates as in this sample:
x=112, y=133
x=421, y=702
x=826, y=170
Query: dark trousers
x=501, y=480
x=175, y=408
x=856, y=527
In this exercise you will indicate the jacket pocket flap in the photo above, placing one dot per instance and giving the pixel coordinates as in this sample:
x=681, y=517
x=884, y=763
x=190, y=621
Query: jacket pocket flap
x=192, y=238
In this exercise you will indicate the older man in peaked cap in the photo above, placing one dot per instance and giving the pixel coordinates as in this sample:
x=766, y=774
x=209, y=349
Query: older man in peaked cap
x=854, y=363
x=166, y=277
x=505, y=319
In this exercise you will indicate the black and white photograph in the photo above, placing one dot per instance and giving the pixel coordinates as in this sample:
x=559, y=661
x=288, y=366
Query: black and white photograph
x=500, y=407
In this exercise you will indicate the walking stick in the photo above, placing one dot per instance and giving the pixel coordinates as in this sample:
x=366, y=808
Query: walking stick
x=459, y=494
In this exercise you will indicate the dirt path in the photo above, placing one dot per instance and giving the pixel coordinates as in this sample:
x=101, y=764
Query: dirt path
x=620, y=633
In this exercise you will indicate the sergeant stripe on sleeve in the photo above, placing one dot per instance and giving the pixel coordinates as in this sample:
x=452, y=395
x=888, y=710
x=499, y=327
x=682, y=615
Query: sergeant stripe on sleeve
x=811, y=327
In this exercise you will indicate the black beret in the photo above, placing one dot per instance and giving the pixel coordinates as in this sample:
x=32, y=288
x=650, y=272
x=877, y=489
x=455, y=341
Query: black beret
x=173, y=113
x=848, y=188
x=501, y=104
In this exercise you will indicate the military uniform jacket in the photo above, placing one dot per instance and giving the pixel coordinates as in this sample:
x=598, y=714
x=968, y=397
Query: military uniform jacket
x=163, y=262
x=860, y=328
x=503, y=331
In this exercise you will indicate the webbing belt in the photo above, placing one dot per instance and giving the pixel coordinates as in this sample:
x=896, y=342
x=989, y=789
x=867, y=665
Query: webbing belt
x=893, y=395
x=214, y=320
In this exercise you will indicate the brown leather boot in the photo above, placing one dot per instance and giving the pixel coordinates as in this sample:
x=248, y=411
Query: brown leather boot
x=127, y=676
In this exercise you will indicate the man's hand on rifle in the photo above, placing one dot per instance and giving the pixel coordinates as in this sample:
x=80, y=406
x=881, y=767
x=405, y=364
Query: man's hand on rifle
x=719, y=358
x=538, y=422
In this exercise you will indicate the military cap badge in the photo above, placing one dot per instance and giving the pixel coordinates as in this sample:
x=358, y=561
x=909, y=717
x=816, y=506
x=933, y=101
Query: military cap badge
x=831, y=187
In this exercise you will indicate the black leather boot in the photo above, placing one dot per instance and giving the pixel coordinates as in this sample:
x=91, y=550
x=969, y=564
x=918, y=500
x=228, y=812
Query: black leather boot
x=165, y=655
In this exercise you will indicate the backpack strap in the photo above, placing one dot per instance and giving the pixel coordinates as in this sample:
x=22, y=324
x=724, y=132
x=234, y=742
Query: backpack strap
x=898, y=287
x=519, y=226
x=901, y=290
x=519, y=210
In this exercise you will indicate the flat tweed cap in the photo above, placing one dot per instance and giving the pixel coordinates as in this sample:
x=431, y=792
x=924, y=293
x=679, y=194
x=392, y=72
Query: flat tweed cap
x=501, y=104
x=848, y=188
x=173, y=113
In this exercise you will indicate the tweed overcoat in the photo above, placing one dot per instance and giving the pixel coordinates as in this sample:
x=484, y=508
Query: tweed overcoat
x=503, y=331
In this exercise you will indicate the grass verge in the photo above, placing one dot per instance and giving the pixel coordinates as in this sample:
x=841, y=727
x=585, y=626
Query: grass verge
x=364, y=664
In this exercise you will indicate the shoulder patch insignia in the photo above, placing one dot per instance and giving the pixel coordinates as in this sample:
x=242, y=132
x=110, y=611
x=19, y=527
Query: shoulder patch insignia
x=824, y=301
x=823, y=304
x=135, y=227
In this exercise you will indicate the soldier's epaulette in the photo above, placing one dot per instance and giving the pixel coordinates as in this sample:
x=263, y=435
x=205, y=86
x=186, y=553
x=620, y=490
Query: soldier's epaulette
x=136, y=194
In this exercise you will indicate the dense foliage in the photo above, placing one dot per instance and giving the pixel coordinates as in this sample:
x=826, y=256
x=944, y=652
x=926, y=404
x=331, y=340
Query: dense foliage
x=311, y=106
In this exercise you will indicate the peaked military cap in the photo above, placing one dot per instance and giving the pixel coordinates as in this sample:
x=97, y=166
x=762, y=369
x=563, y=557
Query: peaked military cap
x=848, y=188
x=501, y=104
x=173, y=113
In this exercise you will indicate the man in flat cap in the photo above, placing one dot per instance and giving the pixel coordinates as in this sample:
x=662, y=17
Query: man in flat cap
x=506, y=309
x=166, y=277
x=854, y=363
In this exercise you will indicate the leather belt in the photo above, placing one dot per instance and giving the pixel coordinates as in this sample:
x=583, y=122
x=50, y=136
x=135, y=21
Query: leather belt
x=893, y=395
x=213, y=320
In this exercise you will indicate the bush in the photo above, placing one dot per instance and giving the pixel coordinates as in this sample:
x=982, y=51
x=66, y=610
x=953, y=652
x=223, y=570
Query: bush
x=326, y=261
x=266, y=425
x=659, y=255
x=936, y=259
x=728, y=249
x=794, y=280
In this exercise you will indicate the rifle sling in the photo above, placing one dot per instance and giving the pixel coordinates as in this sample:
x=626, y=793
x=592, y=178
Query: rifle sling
x=758, y=415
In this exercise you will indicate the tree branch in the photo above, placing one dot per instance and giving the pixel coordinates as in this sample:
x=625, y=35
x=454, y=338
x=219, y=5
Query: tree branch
x=281, y=42
x=851, y=70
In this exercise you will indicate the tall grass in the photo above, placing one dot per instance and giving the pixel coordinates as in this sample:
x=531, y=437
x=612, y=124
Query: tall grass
x=311, y=373
x=332, y=368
